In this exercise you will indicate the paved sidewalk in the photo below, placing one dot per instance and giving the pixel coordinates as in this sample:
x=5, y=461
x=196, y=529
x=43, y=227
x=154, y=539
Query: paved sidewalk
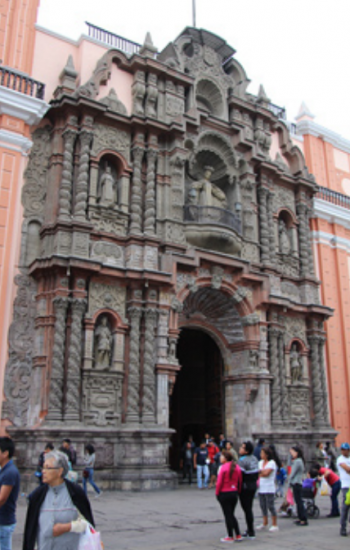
x=189, y=519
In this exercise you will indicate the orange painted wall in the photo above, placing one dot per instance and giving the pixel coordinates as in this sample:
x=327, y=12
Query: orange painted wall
x=17, y=33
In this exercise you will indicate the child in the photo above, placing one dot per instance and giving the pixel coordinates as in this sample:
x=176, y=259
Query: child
x=281, y=478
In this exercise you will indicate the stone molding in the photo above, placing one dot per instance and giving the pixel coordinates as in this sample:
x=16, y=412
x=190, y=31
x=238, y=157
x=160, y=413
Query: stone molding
x=311, y=128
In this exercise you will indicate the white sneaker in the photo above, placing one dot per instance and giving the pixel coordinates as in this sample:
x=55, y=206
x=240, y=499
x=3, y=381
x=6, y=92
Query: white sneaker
x=99, y=494
x=260, y=527
x=274, y=528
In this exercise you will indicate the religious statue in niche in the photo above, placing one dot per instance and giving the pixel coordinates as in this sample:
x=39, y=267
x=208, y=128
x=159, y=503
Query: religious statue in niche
x=107, y=189
x=296, y=366
x=103, y=345
x=206, y=193
x=283, y=237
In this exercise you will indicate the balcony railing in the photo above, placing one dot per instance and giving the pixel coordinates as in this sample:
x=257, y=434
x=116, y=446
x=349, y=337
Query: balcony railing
x=211, y=215
x=332, y=196
x=113, y=40
x=280, y=112
x=21, y=83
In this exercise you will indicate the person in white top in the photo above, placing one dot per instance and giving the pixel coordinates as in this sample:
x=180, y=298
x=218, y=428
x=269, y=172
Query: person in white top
x=267, y=488
x=343, y=464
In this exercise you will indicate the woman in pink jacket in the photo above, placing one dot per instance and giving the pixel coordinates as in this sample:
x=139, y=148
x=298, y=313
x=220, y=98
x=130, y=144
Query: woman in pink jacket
x=228, y=486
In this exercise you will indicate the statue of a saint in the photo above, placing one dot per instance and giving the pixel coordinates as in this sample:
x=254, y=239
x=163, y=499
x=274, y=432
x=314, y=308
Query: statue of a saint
x=296, y=367
x=284, y=242
x=206, y=193
x=107, y=188
x=103, y=345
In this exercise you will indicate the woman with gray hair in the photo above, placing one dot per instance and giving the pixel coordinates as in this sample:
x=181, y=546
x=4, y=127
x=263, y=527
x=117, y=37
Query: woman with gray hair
x=55, y=509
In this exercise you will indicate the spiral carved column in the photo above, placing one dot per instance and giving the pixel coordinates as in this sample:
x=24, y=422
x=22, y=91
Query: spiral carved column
x=264, y=225
x=133, y=409
x=316, y=382
x=150, y=206
x=149, y=376
x=303, y=239
x=276, y=402
x=136, y=191
x=65, y=194
x=57, y=369
x=80, y=202
x=309, y=242
x=72, y=406
x=272, y=244
x=321, y=344
x=282, y=371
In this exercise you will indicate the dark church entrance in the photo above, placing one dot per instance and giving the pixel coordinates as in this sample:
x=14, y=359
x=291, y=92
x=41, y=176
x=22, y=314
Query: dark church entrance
x=196, y=405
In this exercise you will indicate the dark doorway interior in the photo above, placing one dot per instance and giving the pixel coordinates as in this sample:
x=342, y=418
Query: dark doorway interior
x=196, y=405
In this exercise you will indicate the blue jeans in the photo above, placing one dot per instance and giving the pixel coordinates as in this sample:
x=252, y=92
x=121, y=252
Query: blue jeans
x=334, y=498
x=6, y=536
x=90, y=479
x=200, y=471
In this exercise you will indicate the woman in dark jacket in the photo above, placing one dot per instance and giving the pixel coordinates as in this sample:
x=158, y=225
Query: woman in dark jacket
x=250, y=469
x=56, y=503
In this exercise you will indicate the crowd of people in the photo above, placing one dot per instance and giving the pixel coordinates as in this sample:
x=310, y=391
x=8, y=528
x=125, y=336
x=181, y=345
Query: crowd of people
x=259, y=470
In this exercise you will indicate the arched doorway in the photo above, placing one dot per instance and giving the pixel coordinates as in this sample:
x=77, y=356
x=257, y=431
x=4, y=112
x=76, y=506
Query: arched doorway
x=196, y=404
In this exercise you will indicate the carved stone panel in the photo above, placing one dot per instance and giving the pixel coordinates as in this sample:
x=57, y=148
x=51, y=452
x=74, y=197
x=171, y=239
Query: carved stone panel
x=102, y=394
x=102, y=296
x=106, y=137
x=107, y=253
x=34, y=190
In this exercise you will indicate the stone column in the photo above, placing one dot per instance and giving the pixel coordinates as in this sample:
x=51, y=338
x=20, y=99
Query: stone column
x=80, y=202
x=309, y=242
x=276, y=402
x=303, y=239
x=149, y=376
x=322, y=341
x=150, y=202
x=136, y=191
x=73, y=395
x=264, y=225
x=133, y=409
x=272, y=244
x=65, y=193
x=55, y=408
x=316, y=381
x=282, y=371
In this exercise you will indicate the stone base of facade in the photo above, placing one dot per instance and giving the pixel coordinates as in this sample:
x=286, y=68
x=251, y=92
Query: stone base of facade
x=284, y=438
x=128, y=459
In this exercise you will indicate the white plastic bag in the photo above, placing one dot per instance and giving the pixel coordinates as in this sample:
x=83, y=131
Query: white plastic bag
x=325, y=490
x=90, y=540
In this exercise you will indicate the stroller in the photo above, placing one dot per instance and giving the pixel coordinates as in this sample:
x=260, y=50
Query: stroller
x=308, y=494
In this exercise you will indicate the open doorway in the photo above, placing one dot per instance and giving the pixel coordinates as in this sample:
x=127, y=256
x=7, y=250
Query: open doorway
x=196, y=405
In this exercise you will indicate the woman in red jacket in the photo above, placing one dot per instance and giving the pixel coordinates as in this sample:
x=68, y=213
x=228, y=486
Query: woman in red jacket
x=228, y=487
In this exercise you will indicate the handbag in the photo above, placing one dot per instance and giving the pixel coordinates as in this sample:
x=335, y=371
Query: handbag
x=90, y=540
x=325, y=490
x=289, y=497
x=347, y=498
x=85, y=473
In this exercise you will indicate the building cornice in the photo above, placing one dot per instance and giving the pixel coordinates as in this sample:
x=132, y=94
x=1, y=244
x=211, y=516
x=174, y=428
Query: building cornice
x=333, y=241
x=332, y=213
x=310, y=127
x=14, y=141
x=25, y=107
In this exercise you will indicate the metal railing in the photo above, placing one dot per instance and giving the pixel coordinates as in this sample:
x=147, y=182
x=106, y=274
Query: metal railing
x=212, y=215
x=332, y=196
x=113, y=40
x=280, y=112
x=21, y=83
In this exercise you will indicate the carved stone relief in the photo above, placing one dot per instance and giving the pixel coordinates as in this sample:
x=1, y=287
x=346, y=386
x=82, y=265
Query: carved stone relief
x=34, y=190
x=106, y=137
x=106, y=296
x=107, y=253
x=294, y=328
x=102, y=394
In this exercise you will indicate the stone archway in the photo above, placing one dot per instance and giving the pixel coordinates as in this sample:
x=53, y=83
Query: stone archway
x=197, y=403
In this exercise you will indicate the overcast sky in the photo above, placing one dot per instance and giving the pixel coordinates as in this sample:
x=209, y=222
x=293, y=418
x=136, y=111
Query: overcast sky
x=299, y=50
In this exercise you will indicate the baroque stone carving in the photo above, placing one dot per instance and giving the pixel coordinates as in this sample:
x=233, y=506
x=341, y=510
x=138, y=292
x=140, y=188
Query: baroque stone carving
x=113, y=102
x=217, y=275
x=205, y=193
x=149, y=378
x=138, y=93
x=136, y=191
x=296, y=366
x=103, y=345
x=283, y=236
x=106, y=296
x=34, y=190
x=80, y=202
x=107, y=195
x=102, y=398
x=150, y=199
x=109, y=253
x=133, y=411
x=251, y=319
x=72, y=405
x=152, y=95
x=106, y=137
x=65, y=194
x=239, y=295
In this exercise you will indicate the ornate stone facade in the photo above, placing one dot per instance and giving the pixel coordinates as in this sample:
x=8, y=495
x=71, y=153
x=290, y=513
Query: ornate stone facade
x=172, y=219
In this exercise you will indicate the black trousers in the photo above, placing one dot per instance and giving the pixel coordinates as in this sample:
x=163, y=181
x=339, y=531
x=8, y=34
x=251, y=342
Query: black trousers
x=228, y=502
x=299, y=502
x=247, y=498
x=188, y=471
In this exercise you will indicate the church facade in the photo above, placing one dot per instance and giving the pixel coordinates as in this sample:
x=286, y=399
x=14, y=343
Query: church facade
x=166, y=283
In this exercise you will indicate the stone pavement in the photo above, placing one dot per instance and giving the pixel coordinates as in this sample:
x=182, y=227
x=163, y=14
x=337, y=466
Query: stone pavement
x=189, y=519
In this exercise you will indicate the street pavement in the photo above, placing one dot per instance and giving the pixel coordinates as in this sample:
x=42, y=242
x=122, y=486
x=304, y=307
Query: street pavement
x=189, y=519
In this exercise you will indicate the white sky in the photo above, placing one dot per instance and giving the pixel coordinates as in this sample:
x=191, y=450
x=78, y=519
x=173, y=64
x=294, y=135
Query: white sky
x=298, y=49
